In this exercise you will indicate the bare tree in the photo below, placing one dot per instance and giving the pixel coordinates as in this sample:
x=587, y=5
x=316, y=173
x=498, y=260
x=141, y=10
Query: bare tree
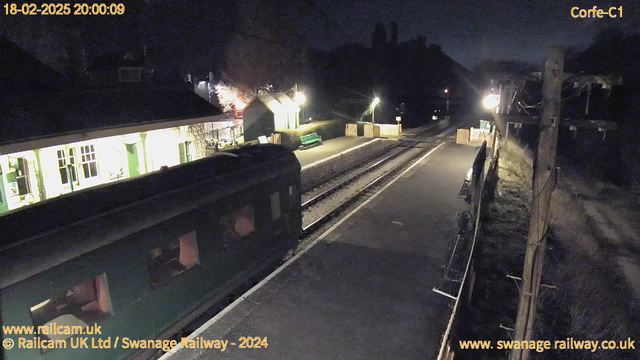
x=267, y=46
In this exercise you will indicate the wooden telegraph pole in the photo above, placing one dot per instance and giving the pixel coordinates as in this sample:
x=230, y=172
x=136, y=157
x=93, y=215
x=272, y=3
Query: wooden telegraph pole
x=543, y=184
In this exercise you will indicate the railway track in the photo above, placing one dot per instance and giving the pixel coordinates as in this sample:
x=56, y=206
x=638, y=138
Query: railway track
x=325, y=220
x=361, y=194
x=371, y=187
x=404, y=146
x=313, y=200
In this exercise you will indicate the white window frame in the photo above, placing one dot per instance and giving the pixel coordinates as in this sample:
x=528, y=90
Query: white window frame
x=87, y=157
x=69, y=163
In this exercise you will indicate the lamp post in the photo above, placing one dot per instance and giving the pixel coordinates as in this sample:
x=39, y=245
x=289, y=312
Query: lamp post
x=375, y=102
x=446, y=92
x=300, y=100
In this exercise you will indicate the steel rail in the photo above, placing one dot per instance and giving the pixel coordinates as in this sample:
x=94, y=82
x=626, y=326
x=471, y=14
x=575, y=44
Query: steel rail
x=310, y=228
x=345, y=182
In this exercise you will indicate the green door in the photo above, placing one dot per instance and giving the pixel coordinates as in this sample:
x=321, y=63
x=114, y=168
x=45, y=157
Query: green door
x=3, y=197
x=132, y=160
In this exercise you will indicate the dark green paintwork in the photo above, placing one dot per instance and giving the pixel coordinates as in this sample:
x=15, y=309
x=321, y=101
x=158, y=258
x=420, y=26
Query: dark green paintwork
x=138, y=311
x=132, y=160
x=3, y=195
x=310, y=139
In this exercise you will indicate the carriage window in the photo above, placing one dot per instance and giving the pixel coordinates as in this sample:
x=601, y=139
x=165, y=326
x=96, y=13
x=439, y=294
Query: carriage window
x=293, y=201
x=275, y=206
x=168, y=261
x=238, y=224
x=78, y=307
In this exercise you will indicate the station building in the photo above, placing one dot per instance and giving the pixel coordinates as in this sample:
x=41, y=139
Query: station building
x=269, y=113
x=56, y=143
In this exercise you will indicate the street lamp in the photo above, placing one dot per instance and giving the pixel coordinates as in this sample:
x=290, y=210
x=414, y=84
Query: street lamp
x=300, y=99
x=375, y=102
x=491, y=101
x=446, y=92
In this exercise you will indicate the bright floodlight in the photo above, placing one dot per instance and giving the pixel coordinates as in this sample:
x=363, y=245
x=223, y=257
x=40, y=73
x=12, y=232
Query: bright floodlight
x=375, y=102
x=300, y=98
x=490, y=102
x=446, y=91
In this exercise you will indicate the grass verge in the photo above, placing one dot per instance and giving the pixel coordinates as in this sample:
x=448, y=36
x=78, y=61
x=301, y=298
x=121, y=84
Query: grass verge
x=592, y=300
x=499, y=251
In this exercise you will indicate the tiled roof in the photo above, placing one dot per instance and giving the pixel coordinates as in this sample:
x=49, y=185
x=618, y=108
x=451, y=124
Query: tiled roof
x=278, y=102
x=34, y=116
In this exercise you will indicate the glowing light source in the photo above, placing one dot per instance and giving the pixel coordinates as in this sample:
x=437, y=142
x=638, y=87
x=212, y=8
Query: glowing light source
x=446, y=91
x=375, y=102
x=299, y=98
x=490, y=102
x=230, y=97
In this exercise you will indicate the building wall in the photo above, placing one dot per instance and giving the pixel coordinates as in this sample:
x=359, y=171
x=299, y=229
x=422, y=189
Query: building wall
x=58, y=170
x=287, y=120
x=111, y=164
x=162, y=148
x=257, y=120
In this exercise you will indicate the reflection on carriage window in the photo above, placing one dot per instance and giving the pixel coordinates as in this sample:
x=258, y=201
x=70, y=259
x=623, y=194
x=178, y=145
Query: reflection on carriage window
x=238, y=224
x=293, y=201
x=275, y=206
x=168, y=261
x=83, y=304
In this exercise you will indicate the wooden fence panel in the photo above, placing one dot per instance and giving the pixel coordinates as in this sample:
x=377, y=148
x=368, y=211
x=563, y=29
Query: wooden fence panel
x=275, y=138
x=368, y=130
x=351, y=130
x=462, y=137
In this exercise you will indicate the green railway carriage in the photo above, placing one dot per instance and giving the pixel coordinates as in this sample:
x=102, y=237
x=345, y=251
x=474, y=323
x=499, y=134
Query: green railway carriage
x=143, y=257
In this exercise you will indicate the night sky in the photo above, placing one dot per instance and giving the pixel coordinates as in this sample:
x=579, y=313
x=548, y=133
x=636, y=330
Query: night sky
x=199, y=31
x=470, y=31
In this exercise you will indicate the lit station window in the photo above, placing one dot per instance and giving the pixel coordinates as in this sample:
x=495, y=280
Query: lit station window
x=89, y=162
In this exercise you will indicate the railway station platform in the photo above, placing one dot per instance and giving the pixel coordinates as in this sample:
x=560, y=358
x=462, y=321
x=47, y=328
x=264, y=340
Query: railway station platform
x=335, y=156
x=329, y=148
x=362, y=290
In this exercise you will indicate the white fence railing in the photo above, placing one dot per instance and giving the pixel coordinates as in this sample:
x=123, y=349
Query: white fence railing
x=481, y=171
x=390, y=129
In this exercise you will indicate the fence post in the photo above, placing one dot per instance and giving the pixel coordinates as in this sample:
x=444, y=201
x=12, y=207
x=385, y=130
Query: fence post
x=477, y=176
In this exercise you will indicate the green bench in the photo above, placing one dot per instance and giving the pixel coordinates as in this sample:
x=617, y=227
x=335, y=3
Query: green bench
x=310, y=140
